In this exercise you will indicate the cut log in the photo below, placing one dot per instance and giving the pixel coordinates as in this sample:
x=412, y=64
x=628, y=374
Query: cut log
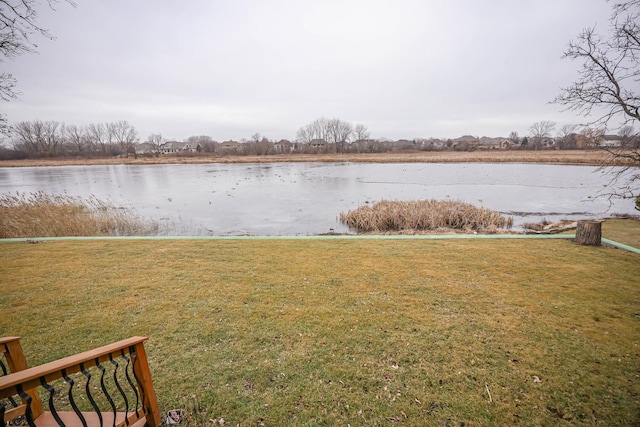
x=589, y=233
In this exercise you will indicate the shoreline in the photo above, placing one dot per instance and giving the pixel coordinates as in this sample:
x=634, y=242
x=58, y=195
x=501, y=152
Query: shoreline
x=569, y=157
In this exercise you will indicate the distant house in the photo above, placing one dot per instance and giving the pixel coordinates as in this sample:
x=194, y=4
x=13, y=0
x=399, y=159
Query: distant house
x=173, y=147
x=468, y=142
x=548, y=142
x=587, y=140
x=404, y=144
x=192, y=147
x=611, y=141
x=283, y=146
x=231, y=147
x=318, y=145
x=493, y=143
x=465, y=142
x=364, y=145
x=432, y=144
x=145, y=148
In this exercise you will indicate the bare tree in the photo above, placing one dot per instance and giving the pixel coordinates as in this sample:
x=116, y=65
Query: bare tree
x=156, y=140
x=97, y=135
x=566, y=136
x=514, y=137
x=76, y=136
x=539, y=131
x=264, y=147
x=332, y=131
x=628, y=137
x=125, y=135
x=52, y=138
x=26, y=138
x=360, y=132
x=608, y=82
x=110, y=135
x=305, y=134
x=206, y=142
x=338, y=133
x=4, y=126
x=38, y=138
x=592, y=137
x=18, y=26
x=314, y=130
x=251, y=145
x=607, y=88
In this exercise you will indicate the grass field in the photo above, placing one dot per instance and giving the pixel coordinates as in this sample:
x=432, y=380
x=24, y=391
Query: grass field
x=622, y=231
x=347, y=331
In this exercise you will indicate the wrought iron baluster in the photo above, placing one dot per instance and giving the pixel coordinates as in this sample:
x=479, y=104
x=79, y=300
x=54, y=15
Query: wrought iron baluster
x=128, y=368
x=52, y=407
x=71, y=383
x=28, y=413
x=2, y=409
x=118, y=386
x=134, y=357
x=105, y=391
x=87, y=388
x=5, y=371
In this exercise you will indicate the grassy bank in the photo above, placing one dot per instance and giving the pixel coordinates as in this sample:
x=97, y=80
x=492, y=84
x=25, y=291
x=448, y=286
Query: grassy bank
x=339, y=331
x=625, y=231
x=590, y=157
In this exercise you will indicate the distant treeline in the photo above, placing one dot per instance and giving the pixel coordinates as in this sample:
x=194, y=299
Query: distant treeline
x=46, y=139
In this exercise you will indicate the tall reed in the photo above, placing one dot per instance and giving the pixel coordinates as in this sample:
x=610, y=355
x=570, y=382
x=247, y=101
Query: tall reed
x=424, y=215
x=50, y=215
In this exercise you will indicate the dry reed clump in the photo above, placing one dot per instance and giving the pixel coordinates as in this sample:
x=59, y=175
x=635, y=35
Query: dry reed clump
x=424, y=215
x=45, y=215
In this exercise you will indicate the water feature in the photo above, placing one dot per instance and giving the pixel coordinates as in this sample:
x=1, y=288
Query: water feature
x=307, y=198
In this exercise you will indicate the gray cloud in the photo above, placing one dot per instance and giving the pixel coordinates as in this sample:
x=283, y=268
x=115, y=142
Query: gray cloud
x=229, y=69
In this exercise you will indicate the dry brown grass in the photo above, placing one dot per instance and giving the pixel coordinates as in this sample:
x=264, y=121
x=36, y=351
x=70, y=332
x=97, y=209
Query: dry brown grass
x=45, y=215
x=590, y=157
x=424, y=215
x=626, y=231
x=335, y=331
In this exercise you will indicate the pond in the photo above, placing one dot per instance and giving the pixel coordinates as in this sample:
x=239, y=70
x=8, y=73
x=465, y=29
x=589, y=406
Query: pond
x=307, y=198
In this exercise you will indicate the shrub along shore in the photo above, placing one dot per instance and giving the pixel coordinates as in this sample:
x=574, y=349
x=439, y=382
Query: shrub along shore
x=50, y=215
x=44, y=215
x=424, y=216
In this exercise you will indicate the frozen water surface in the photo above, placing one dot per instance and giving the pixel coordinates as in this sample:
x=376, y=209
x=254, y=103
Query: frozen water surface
x=307, y=198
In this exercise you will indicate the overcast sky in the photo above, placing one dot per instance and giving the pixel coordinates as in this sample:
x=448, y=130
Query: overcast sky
x=229, y=69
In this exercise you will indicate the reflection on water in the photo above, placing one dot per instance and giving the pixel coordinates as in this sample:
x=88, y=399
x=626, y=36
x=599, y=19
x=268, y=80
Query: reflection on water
x=307, y=198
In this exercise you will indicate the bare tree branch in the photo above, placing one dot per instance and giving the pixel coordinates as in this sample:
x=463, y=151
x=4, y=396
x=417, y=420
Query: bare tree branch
x=541, y=130
x=608, y=89
x=332, y=131
x=18, y=27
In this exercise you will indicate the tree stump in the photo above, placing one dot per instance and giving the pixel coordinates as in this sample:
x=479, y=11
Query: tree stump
x=589, y=233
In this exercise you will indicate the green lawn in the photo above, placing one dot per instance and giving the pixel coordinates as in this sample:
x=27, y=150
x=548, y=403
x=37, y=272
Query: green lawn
x=625, y=231
x=347, y=331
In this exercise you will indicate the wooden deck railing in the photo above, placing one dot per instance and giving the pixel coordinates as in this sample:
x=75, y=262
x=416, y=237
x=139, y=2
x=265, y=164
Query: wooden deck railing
x=107, y=386
x=11, y=352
